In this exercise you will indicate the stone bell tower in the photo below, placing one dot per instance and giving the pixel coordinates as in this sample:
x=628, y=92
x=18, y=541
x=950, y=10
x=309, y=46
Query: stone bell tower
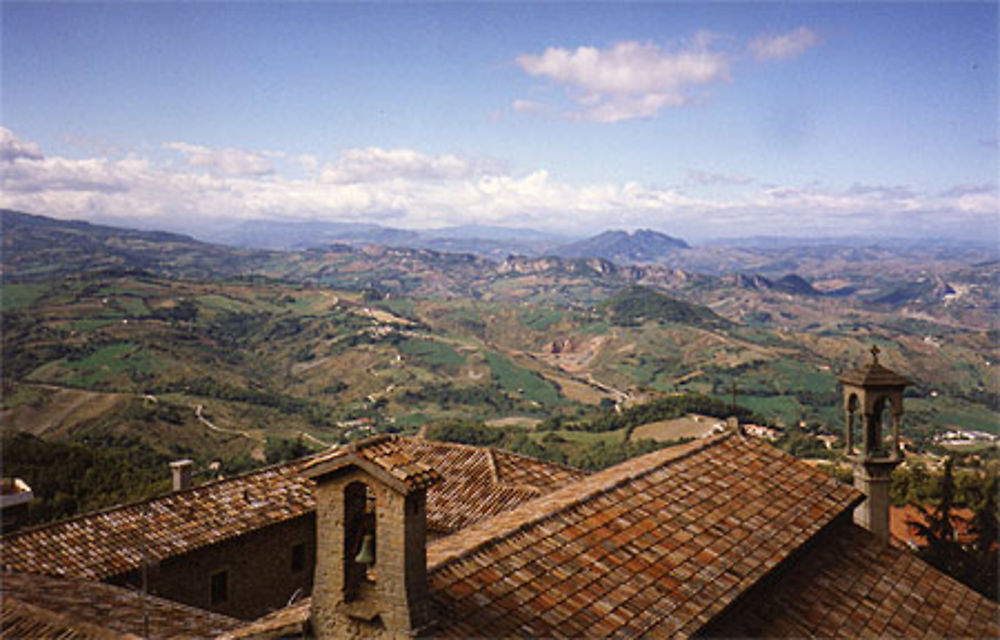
x=371, y=541
x=872, y=394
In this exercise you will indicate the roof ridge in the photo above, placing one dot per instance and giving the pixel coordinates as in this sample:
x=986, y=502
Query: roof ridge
x=7, y=576
x=384, y=456
x=550, y=463
x=491, y=462
x=81, y=606
x=491, y=454
x=291, y=464
x=63, y=622
x=372, y=441
x=494, y=450
x=337, y=451
x=465, y=542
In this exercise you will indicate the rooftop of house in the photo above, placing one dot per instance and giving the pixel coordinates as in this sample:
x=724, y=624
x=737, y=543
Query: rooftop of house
x=40, y=607
x=851, y=586
x=873, y=374
x=655, y=546
x=475, y=483
x=111, y=542
x=670, y=544
x=903, y=523
x=383, y=455
x=727, y=536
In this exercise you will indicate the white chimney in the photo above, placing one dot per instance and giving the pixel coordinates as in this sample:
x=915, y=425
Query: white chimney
x=181, y=471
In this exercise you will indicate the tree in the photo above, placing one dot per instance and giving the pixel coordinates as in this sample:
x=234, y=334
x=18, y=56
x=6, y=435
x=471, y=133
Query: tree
x=937, y=526
x=282, y=449
x=184, y=311
x=973, y=563
x=912, y=484
x=986, y=543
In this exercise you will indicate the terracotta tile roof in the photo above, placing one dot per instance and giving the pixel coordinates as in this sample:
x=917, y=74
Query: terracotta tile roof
x=383, y=454
x=107, y=543
x=479, y=482
x=674, y=542
x=110, y=542
x=901, y=529
x=22, y=620
x=851, y=587
x=655, y=546
x=40, y=606
x=290, y=622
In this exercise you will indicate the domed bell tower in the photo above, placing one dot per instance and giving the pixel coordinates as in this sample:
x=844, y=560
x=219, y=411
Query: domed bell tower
x=873, y=398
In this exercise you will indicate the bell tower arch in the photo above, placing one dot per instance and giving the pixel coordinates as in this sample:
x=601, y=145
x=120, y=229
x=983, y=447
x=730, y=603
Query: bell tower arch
x=873, y=412
x=371, y=542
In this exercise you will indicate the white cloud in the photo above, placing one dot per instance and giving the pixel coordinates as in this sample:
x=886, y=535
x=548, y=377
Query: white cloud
x=971, y=189
x=897, y=192
x=97, y=175
x=308, y=162
x=11, y=148
x=374, y=164
x=708, y=178
x=784, y=46
x=233, y=162
x=980, y=203
x=412, y=189
x=632, y=79
x=628, y=79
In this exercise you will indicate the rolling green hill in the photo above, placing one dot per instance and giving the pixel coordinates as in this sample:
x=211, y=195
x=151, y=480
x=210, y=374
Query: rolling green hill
x=36, y=248
x=115, y=341
x=636, y=304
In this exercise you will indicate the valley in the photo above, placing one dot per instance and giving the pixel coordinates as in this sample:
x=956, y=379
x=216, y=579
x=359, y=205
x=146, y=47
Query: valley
x=237, y=357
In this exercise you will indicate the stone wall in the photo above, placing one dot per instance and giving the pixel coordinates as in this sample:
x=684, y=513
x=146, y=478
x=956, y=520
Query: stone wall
x=392, y=604
x=259, y=571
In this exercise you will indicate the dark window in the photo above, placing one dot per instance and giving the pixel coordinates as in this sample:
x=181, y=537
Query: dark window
x=299, y=557
x=220, y=587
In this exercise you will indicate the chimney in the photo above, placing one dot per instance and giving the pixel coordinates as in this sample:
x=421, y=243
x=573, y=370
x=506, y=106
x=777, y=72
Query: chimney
x=371, y=541
x=180, y=471
x=733, y=425
x=15, y=494
x=872, y=393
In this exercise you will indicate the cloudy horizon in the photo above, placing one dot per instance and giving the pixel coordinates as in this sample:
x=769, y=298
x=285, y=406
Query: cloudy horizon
x=696, y=121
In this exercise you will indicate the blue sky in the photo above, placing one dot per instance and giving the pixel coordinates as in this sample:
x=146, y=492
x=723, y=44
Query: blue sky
x=696, y=119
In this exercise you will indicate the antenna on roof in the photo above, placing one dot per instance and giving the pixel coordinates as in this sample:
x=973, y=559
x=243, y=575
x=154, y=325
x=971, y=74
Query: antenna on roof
x=733, y=421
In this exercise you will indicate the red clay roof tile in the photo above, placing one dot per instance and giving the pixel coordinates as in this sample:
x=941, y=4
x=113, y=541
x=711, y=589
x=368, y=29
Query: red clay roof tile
x=41, y=606
x=106, y=543
x=659, y=546
x=626, y=582
x=851, y=586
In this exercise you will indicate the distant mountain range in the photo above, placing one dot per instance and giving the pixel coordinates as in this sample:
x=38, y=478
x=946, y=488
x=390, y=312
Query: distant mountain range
x=485, y=241
x=962, y=284
x=790, y=283
x=285, y=347
x=621, y=247
x=644, y=246
x=767, y=255
x=291, y=236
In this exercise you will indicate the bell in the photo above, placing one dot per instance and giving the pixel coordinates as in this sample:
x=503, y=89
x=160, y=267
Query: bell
x=367, y=553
